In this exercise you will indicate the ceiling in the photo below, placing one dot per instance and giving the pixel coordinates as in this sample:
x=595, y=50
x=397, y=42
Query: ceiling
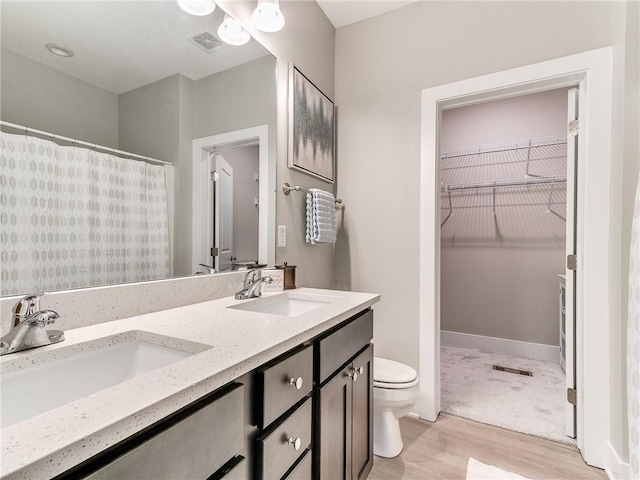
x=345, y=12
x=122, y=45
x=119, y=45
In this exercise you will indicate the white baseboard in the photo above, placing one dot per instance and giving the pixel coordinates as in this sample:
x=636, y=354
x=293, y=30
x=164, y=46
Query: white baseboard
x=537, y=351
x=616, y=469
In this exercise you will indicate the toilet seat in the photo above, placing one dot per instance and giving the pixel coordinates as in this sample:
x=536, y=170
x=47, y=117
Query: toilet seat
x=394, y=375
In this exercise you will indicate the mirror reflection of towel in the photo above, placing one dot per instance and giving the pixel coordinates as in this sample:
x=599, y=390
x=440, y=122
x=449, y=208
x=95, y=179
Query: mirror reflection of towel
x=321, y=217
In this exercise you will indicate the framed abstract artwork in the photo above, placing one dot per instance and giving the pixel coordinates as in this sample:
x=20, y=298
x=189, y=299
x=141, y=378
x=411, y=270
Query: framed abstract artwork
x=311, y=128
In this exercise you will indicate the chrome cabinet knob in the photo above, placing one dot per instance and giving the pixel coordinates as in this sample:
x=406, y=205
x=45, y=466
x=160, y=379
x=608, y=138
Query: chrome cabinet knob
x=296, y=382
x=297, y=442
x=353, y=375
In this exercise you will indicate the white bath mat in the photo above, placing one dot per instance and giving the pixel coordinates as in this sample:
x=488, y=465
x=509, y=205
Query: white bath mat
x=481, y=471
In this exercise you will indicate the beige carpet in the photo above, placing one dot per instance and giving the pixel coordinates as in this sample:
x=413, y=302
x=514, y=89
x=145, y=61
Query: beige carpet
x=481, y=471
x=533, y=405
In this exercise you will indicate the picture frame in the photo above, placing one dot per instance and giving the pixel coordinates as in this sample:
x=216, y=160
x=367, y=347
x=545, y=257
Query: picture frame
x=311, y=128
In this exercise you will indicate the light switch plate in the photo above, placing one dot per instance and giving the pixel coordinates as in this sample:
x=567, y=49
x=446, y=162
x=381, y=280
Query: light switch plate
x=282, y=235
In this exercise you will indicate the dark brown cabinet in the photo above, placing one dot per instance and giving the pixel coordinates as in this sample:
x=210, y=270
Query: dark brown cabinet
x=307, y=414
x=203, y=440
x=343, y=446
x=284, y=416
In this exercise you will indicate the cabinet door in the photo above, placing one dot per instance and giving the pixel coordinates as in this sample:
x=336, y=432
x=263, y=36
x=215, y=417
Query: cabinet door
x=362, y=415
x=332, y=447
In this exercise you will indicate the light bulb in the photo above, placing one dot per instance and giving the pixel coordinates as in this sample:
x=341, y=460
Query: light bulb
x=197, y=7
x=231, y=32
x=267, y=16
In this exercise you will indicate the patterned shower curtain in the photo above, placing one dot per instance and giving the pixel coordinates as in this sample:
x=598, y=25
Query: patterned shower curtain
x=73, y=217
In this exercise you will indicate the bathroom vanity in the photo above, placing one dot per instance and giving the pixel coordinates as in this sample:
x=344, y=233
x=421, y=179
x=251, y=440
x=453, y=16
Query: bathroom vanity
x=277, y=387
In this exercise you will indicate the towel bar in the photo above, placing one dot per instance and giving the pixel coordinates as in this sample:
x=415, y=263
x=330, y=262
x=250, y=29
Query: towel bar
x=287, y=189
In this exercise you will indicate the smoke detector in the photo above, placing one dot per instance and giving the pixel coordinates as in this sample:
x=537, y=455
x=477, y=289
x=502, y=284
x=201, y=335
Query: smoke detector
x=206, y=41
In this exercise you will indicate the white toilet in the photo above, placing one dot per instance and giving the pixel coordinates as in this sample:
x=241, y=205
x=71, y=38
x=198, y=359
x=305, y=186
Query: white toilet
x=395, y=391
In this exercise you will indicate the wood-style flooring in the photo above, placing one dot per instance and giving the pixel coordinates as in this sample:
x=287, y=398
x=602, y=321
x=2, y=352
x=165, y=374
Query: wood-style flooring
x=442, y=449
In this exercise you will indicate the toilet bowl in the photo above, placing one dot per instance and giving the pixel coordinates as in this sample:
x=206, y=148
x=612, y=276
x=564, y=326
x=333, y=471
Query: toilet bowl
x=395, y=391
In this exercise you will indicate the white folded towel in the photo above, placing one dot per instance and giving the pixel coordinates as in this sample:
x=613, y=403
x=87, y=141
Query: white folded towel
x=321, y=217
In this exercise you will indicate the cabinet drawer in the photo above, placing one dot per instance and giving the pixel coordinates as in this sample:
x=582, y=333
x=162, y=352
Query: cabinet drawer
x=337, y=348
x=234, y=469
x=275, y=454
x=302, y=471
x=195, y=447
x=278, y=384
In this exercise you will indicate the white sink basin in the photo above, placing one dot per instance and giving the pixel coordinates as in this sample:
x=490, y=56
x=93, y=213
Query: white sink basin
x=288, y=304
x=69, y=375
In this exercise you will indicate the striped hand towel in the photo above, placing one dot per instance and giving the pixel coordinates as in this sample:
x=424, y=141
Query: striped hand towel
x=321, y=217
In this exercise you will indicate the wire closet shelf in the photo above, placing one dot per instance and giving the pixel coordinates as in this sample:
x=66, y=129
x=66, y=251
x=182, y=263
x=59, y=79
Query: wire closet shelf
x=526, y=156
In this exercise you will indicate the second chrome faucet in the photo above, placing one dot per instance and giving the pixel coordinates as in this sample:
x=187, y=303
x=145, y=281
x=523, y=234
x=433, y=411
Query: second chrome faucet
x=252, y=285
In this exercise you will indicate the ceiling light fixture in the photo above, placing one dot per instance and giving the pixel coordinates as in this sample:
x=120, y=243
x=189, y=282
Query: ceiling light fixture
x=197, y=7
x=267, y=16
x=231, y=32
x=58, y=50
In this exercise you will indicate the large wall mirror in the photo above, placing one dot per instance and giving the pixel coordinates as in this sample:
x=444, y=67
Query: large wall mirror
x=94, y=80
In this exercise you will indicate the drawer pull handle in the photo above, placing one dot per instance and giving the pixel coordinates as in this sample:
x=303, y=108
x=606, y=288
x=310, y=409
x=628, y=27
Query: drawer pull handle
x=297, y=443
x=296, y=382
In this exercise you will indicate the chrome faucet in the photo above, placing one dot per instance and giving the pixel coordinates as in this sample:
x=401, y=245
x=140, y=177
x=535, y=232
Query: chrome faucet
x=209, y=269
x=252, y=285
x=28, y=329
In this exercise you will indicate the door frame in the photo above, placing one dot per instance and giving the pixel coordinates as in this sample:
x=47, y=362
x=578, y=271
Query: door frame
x=202, y=191
x=592, y=72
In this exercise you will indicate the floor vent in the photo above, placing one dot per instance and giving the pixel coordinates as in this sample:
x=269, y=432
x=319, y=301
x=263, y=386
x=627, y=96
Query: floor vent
x=526, y=373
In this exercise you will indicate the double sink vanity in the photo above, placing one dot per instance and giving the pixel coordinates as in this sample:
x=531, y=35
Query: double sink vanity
x=274, y=387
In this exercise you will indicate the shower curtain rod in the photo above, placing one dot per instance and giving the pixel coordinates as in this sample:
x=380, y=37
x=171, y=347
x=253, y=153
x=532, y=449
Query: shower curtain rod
x=54, y=137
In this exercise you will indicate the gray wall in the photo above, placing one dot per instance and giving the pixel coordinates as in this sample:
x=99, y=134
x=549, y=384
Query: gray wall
x=499, y=274
x=148, y=119
x=237, y=98
x=379, y=79
x=245, y=163
x=46, y=99
x=307, y=40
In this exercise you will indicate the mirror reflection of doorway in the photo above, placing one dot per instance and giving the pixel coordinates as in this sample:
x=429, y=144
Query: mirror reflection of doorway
x=251, y=225
x=235, y=206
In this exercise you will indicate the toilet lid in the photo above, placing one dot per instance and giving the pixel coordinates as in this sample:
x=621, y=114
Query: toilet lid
x=388, y=371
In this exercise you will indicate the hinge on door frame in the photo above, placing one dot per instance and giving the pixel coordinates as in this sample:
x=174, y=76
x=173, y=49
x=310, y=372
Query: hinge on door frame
x=572, y=262
x=214, y=252
x=214, y=176
x=572, y=396
x=573, y=128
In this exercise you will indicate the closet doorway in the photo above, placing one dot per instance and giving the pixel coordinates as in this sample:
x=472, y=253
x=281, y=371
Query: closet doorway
x=504, y=235
x=595, y=192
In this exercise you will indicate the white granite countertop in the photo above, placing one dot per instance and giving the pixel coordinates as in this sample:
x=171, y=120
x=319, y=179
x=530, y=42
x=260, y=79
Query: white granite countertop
x=230, y=342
